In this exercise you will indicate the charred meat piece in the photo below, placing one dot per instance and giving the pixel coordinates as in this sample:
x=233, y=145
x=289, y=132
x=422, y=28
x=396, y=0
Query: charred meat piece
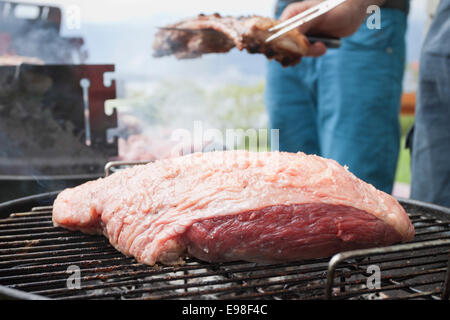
x=234, y=205
x=217, y=34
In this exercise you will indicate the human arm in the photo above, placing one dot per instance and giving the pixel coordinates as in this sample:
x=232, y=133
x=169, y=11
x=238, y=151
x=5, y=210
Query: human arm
x=342, y=21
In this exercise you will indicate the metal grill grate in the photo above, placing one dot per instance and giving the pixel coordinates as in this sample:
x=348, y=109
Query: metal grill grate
x=35, y=257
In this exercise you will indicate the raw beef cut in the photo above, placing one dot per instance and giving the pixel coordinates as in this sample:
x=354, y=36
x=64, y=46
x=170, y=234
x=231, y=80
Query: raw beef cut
x=234, y=205
x=191, y=38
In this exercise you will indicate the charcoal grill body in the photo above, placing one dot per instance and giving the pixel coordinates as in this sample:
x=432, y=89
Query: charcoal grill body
x=43, y=127
x=14, y=186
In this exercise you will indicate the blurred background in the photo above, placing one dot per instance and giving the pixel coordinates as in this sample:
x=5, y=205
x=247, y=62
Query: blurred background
x=155, y=96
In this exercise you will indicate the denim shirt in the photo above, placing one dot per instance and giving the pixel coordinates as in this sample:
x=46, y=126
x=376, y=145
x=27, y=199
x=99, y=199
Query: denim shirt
x=438, y=38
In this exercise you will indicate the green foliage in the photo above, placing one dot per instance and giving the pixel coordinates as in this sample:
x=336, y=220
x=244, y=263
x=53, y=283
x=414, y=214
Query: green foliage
x=175, y=103
x=404, y=161
x=406, y=122
x=404, y=165
x=238, y=106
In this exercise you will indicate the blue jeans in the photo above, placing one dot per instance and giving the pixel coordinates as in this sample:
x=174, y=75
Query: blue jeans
x=345, y=105
x=431, y=139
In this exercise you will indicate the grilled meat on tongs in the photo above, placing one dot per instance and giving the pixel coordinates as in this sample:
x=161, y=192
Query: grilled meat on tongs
x=216, y=34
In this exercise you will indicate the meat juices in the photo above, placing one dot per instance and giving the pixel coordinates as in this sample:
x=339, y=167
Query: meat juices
x=234, y=205
x=221, y=34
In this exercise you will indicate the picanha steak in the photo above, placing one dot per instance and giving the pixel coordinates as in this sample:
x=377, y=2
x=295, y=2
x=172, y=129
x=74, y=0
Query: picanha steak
x=191, y=38
x=234, y=205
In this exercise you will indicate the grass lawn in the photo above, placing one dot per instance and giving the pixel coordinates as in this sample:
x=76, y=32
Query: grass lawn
x=404, y=162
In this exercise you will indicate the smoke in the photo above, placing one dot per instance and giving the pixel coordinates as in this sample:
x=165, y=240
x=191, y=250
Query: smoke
x=149, y=120
x=37, y=37
x=45, y=44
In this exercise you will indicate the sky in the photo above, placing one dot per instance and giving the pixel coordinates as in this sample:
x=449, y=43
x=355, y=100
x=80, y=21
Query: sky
x=125, y=10
x=120, y=10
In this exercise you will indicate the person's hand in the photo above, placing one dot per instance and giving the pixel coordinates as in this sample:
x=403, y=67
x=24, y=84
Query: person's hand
x=342, y=21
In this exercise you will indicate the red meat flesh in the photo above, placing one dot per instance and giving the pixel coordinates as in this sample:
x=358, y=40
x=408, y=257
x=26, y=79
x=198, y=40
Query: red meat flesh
x=287, y=233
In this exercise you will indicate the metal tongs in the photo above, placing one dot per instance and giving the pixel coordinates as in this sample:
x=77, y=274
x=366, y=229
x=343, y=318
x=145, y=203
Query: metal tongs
x=303, y=18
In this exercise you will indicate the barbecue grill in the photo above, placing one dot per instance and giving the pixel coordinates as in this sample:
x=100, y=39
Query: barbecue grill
x=57, y=157
x=38, y=260
x=54, y=128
